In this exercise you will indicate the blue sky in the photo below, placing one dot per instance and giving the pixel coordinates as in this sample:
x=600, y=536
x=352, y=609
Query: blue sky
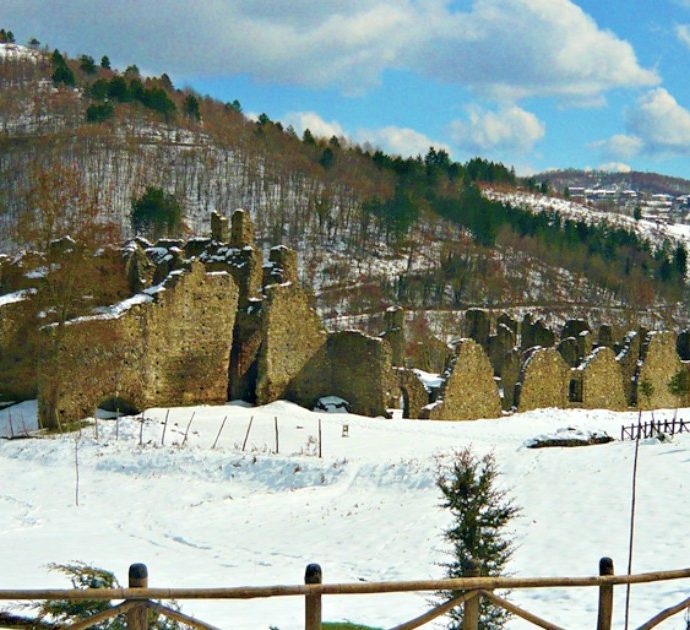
x=534, y=83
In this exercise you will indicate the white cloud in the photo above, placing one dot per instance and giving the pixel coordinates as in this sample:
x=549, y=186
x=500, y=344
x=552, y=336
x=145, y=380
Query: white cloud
x=500, y=48
x=312, y=121
x=400, y=141
x=394, y=140
x=683, y=33
x=660, y=122
x=619, y=146
x=615, y=167
x=508, y=129
x=656, y=124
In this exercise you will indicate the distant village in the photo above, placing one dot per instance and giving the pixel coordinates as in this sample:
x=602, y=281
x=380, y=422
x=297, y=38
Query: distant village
x=660, y=208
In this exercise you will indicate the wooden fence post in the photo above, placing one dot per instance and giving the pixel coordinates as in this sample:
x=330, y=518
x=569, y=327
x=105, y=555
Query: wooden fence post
x=470, y=613
x=312, y=603
x=138, y=578
x=605, y=596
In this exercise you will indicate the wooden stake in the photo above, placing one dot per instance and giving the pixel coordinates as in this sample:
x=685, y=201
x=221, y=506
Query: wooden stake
x=138, y=578
x=470, y=614
x=117, y=423
x=320, y=442
x=312, y=603
x=95, y=418
x=222, y=424
x=141, y=431
x=11, y=427
x=605, y=596
x=246, y=436
x=165, y=426
x=186, y=433
x=275, y=424
x=632, y=530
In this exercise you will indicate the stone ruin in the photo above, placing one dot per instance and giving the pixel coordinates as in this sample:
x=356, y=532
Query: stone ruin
x=207, y=320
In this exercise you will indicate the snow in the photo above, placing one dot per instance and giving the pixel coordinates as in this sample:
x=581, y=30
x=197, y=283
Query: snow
x=17, y=296
x=16, y=52
x=368, y=511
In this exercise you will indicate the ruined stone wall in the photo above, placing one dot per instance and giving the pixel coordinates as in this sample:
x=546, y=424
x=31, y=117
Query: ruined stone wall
x=293, y=344
x=602, y=381
x=469, y=391
x=169, y=348
x=17, y=352
x=660, y=361
x=544, y=381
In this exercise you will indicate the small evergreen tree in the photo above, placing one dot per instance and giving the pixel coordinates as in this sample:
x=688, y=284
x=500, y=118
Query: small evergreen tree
x=481, y=513
x=678, y=387
x=191, y=107
x=105, y=62
x=156, y=214
x=87, y=64
x=100, y=112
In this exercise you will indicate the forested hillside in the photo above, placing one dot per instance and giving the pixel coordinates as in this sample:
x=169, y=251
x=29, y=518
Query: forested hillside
x=371, y=229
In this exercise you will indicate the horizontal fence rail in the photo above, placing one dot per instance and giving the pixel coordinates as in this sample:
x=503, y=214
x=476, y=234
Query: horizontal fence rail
x=467, y=593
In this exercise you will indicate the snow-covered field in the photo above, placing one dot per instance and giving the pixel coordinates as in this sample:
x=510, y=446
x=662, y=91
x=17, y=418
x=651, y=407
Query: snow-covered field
x=368, y=510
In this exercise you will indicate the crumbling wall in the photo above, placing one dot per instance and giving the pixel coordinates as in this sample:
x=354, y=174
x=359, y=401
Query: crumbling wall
x=602, y=381
x=544, y=380
x=660, y=361
x=17, y=348
x=169, y=347
x=293, y=344
x=469, y=390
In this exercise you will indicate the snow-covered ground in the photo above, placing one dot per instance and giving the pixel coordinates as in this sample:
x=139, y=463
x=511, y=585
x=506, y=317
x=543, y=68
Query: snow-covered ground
x=367, y=511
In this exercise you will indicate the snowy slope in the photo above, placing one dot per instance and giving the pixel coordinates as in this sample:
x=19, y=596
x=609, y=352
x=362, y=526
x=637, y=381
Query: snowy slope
x=367, y=511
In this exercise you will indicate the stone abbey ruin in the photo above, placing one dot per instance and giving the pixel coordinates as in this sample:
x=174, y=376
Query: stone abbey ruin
x=206, y=321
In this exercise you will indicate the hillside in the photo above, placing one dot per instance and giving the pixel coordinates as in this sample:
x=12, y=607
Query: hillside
x=370, y=229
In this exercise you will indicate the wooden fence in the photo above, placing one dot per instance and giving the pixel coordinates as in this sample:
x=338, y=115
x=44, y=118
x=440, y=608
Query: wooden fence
x=655, y=427
x=468, y=592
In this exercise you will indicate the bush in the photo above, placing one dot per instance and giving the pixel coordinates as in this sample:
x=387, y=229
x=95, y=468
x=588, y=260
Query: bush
x=63, y=74
x=481, y=514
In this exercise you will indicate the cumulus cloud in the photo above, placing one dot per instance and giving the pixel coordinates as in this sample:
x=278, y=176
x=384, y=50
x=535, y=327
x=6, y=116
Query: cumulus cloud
x=683, y=33
x=619, y=146
x=500, y=48
x=615, y=167
x=312, y=121
x=660, y=122
x=394, y=140
x=400, y=141
x=508, y=129
x=656, y=124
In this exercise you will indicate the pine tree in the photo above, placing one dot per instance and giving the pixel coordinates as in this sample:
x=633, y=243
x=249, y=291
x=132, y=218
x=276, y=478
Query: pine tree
x=481, y=514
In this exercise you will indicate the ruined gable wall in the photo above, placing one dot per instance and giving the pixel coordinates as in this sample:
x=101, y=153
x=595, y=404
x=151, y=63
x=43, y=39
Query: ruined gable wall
x=415, y=396
x=544, y=381
x=469, y=391
x=660, y=361
x=293, y=344
x=602, y=381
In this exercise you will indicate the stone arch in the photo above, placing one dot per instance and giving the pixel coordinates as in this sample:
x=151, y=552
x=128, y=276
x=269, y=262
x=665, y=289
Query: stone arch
x=415, y=395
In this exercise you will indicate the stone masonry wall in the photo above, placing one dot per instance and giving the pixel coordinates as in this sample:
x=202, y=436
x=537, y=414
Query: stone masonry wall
x=602, y=381
x=469, y=391
x=660, y=361
x=169, y=348
x=544, y=381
